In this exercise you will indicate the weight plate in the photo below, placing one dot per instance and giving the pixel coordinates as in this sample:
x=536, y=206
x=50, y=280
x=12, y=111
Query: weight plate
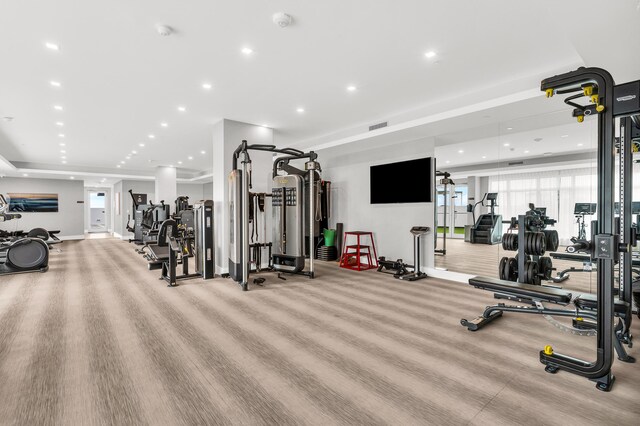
x=501, y=271
x=545, y=267
x=513, y=269
x=552, y=240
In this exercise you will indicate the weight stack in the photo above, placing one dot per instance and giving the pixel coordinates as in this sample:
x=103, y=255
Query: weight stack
x=327, y=253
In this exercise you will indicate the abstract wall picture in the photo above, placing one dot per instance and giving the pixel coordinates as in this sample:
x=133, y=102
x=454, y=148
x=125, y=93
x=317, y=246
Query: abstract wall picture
x=33, y=203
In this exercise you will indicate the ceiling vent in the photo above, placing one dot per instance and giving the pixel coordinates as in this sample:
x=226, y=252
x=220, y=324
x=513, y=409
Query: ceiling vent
x=378, y=126
x=515, y=163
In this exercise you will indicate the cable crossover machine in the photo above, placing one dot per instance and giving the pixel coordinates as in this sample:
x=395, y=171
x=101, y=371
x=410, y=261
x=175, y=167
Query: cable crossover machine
x=296, y=204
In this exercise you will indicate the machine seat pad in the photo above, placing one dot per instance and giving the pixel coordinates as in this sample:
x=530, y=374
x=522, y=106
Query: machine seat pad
x=590, y=302
x=522, y=290
x=159, y=252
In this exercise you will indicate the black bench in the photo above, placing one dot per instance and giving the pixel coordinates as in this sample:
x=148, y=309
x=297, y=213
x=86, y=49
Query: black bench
x=533, y=295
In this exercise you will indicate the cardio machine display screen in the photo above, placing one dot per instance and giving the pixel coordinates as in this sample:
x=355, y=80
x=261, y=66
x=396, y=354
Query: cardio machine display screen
x=403, y=182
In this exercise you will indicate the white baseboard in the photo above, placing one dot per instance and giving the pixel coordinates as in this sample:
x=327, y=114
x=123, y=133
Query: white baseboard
x=449, y=275
x=71, y=237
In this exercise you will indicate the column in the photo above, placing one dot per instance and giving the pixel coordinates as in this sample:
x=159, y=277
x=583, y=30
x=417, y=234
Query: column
x=166, y=186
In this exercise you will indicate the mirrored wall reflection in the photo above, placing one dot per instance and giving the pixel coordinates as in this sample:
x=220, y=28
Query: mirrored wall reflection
x=523, y=178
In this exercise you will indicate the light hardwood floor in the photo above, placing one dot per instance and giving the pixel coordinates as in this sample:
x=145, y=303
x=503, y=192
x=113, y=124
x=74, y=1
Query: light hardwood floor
x=100, y=340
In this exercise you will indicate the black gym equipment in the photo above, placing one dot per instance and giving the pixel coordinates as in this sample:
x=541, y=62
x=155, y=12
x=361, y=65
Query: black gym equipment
x=146, y=219
x=581, y=210
x=608, y=243
x=417, y=274
x=583, y=313
x=488, y=228
x=21, y=254
x=395, y=268
x=173, y=247
x=530, y=266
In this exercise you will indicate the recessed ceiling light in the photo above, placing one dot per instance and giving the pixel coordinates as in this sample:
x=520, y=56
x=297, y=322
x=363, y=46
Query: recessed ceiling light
x=461, y=151
x=63, y=162
x=152, y=136
x=57, y=107
x=64, y=157
x=580, y=144
x=134, y=152
x=61, y=135
x=430, y=54
x=163, y=124
x=526, y=151
x=447, y=161
x=62, y=144
x=141, y=144
x=182, y=109
x=55, y=83
x=122, y=162
x=25, y=174
x=506, y=144
x=52, y=46
x=207, y=86
x=127, y=158
x=300, y=110
x=118, y=165
x=247, y=50
x=179, y=162
x=351, y=88
x=190, y=158
x=63, y=151
x=203, y=152
x=484, y=156
x=59, y=123
x=71, y=177
x=509, y=128
x=564, y=136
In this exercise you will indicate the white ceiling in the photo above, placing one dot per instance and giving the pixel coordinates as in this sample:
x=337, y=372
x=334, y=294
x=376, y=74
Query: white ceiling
x=120, y=79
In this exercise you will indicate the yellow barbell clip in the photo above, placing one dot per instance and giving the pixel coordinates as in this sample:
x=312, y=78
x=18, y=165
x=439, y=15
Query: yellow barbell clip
x=594, y=99
x=580, y=118
x=579, y=319
x=600, y=108
x=548, y=350
x=549, y=93
x=588, y=90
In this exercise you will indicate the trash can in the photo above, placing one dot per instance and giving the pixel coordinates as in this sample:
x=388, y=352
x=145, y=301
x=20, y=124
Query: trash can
x=467, y=233
x=329, y=237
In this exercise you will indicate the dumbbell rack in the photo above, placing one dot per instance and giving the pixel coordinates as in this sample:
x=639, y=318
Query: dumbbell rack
x=529, y=271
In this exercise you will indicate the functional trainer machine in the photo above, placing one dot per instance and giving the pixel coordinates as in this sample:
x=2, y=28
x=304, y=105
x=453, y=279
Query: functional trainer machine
x=295, y=209
x=488, y=228
x=445, y=181
x=608, y=243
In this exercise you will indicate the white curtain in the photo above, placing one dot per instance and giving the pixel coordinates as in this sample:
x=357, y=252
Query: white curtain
x=558, y=191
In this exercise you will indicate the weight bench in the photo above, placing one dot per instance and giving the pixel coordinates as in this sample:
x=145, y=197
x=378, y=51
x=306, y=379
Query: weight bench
x=534, y=296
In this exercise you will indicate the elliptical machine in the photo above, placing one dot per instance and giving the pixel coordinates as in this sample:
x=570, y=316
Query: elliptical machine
x=21, y=255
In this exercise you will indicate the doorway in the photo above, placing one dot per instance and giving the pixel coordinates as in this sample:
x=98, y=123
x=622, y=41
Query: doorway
x=452, y=223
x=98, y=212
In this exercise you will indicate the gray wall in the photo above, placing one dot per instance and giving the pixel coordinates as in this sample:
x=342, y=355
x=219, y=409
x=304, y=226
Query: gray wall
x=207, y=190
x=70, y=216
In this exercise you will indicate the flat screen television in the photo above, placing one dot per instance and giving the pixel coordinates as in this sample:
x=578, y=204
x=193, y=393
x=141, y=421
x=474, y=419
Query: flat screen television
x=403, y=182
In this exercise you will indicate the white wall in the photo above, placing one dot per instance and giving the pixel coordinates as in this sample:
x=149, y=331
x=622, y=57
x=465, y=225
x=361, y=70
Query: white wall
x=349, y=176
x=195, y=191
x=70, y=216
x=227, y=135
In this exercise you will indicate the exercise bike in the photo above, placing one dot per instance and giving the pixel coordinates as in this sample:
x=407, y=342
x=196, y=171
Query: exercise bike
x=20, y=255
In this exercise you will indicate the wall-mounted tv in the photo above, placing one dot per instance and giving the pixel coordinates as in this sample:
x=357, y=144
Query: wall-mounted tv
x=33, y=203
x=403, y=182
